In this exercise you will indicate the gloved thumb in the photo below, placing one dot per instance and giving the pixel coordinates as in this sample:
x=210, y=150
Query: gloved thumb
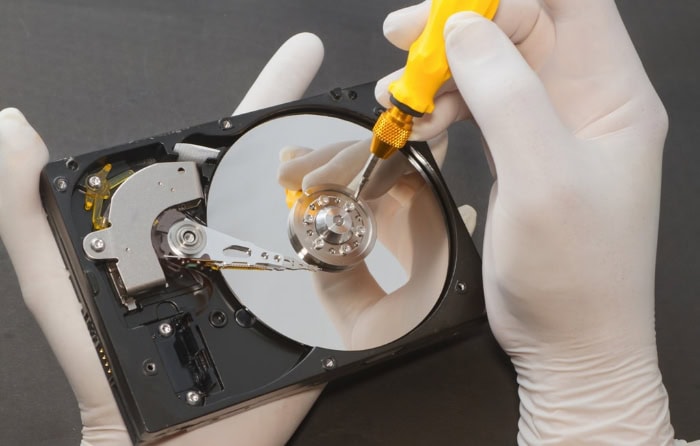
x=506, y=97
x=22, y=156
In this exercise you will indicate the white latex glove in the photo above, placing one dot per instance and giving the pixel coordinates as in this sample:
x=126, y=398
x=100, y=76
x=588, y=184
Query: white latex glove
x=406, y=216
x=50, y=297
x=575, y=132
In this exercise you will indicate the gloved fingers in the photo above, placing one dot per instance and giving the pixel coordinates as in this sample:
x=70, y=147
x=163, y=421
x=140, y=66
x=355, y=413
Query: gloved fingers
x=22, y=156
x=346, y=296
x=571, y=8
x=341, y=163
x=449, y=107
x=468, y=215
x=342, y=168
x=438, y=147
x=43, y=278
x=297, y=162
x=381, y=89
x=291, y=152
x=515, y=17
x=345, y=167
x=403, y=26
x=598, y=74
x=277, y=419
x=506, y=98
x=518, y=18
x=287, y=75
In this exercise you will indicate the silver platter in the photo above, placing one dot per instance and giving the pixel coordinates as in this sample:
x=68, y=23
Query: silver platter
x=246, y=201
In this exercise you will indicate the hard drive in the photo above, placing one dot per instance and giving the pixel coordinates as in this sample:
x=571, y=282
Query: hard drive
x=209, y=289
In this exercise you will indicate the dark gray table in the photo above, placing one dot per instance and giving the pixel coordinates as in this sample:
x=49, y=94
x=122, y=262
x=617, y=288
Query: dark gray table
x=93, y=74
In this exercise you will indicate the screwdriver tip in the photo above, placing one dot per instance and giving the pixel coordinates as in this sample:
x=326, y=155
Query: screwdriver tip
x=366, y=172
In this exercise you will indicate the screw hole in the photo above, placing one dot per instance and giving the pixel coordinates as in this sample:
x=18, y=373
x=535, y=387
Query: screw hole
x=149, y=368
x=61, y=184
x=72, y=164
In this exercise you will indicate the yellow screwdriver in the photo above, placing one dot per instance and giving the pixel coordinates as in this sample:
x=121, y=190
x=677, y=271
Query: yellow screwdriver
x=426, y=70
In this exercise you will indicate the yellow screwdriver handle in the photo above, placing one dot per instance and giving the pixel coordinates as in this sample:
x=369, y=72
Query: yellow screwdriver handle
x=426, y=67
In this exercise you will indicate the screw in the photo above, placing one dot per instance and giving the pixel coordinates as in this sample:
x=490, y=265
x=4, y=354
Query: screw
x=264, y=255
x=189, y=237
x=165, y=329
x=345, y=249
x=461, y=287
x=328, y=363
x=226, y=124
x=336, y=94
x=61, y=184
x=218, y=319
x=193, y=397
x=97, y=245
x=94, y=182
x=349, y=206
x=352, y=94
x=319, y=243
x=378, y=110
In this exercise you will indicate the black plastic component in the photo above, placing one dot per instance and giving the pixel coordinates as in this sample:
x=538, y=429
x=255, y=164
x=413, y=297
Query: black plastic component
x=186, y=358
x=217, y=359
x=405, y=108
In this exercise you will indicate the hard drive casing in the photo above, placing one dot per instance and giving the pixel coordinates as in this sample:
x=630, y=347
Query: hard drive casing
x=244, y=363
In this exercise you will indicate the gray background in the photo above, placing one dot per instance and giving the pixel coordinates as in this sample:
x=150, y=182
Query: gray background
x=92, y=74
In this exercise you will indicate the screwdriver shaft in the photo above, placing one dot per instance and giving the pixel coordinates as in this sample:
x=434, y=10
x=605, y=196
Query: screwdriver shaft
x=366, y=173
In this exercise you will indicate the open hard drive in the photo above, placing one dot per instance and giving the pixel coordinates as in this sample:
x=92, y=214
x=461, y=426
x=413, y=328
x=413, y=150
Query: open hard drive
x=208, y=291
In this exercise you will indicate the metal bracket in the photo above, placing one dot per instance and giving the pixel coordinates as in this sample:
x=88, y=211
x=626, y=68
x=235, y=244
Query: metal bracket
x=133, y=210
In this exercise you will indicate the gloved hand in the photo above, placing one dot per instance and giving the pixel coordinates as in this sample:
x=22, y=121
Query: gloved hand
x=51, y=299
x=574, y=132
x=405, y=211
